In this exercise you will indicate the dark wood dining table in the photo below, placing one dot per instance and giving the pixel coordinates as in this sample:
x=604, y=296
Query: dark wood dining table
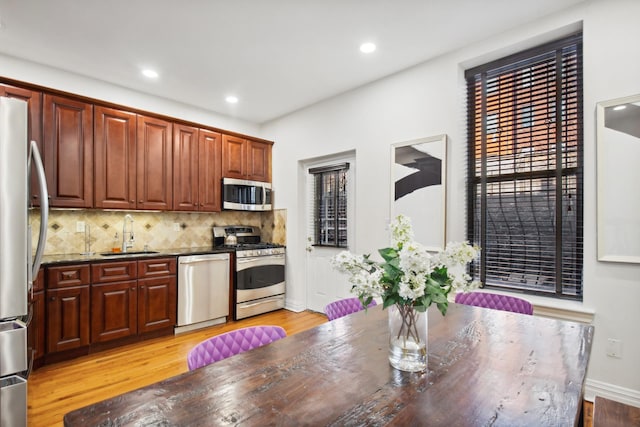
x=485, y=368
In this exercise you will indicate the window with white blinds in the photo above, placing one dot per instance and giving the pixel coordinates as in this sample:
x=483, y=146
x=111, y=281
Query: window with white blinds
x=330, y=205
x=525, y=185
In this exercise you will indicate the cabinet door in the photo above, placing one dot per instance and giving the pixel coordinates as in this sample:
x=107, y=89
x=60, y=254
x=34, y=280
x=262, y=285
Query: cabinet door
x=113, y=310
x=34, y=105
x=67, y=318
x=234, y=157
x=259, y=161
x=68, y=151
x=115, y=158
x=210, y=171
x=35, y=331
x=157, y=307
x=185, y=168
x=155, y=164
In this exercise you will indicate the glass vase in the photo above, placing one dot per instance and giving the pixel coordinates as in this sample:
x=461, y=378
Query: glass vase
x=407, y=338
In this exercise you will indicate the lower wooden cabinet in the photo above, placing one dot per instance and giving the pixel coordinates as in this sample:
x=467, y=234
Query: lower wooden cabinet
x=113, y=310
x=67, y=318
x=89, y=305
x=36, y=331
x=157, y=303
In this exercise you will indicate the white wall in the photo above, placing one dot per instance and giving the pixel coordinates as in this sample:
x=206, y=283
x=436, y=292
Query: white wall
x=429, y=100
x=54, y=78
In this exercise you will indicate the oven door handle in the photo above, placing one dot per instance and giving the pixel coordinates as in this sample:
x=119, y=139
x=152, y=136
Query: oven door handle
x=262, y=260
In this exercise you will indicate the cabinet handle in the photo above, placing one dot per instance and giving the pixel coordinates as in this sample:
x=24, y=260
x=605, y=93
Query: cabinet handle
x=131, y=201
x=52, y=299
x=132, y=289
x=141, y=201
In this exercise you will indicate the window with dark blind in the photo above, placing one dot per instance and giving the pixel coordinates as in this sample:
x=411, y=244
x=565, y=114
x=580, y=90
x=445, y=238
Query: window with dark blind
x=330, y=205
x=525, y=169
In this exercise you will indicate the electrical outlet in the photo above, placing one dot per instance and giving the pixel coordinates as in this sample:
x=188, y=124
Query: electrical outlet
x=80, y=227
x=614, y=348
x=176, y=226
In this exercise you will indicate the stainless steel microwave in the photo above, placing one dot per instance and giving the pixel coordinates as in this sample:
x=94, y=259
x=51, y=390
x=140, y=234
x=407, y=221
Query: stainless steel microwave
x=245, y=195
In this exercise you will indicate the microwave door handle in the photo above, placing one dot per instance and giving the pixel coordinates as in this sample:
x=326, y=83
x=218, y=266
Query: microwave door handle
x=264, y=197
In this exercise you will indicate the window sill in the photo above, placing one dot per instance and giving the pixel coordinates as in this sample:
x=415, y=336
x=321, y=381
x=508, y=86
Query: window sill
x=553, y=308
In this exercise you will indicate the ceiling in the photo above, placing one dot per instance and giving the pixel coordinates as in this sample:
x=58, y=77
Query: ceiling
x=276, y=56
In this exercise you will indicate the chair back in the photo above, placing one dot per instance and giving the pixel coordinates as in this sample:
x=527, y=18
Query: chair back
x=232, y=342
x=495, y=301
x=343, y=307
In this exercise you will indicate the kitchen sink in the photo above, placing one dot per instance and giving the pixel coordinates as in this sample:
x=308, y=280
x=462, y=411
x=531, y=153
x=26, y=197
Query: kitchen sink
x=128, y=253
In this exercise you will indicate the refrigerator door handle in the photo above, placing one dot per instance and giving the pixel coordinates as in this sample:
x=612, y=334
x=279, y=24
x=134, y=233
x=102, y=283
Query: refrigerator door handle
x=44, y=206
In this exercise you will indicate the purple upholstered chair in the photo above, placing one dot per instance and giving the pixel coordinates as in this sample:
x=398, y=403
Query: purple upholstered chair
x=343, y=307
x=232, y=342
x=495, y=301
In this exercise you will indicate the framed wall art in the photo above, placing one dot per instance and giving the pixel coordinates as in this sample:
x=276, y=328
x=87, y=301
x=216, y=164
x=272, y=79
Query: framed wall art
x=418, y=187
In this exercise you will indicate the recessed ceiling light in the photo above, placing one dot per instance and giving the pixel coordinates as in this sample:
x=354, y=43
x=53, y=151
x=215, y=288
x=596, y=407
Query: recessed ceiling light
x=150, y=73
x=367, y=47
x=231, y=99
x=619, y=107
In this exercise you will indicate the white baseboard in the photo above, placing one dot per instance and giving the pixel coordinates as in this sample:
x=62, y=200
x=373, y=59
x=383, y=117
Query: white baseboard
x=294, y=306
x=595, y=388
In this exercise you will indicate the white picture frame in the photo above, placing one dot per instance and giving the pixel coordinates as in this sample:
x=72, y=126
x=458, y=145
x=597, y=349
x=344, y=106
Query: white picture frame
x=418, y=187
x=618, y=205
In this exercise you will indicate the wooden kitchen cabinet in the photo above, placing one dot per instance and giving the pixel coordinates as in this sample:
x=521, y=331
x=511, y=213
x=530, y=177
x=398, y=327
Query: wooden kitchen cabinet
x=113, y=310
x=157, y=294
x=246, y=159
x=196, y=169
x=154, y=157
x=114, y=300
x=115, y=158
x=67, y=307
x=34, y=130
x=157, y=304
x=130, y=298
x=68, y=151
x=36, y=329
x=133, y=161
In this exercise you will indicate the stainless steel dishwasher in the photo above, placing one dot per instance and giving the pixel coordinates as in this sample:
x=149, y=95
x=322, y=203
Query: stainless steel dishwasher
x=203, y=291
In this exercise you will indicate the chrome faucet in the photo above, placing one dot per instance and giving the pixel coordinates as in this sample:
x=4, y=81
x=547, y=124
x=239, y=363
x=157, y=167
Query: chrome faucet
x=127, y=242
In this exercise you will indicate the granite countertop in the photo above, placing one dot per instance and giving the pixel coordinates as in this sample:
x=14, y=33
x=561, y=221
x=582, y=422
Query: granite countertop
x=75, y=258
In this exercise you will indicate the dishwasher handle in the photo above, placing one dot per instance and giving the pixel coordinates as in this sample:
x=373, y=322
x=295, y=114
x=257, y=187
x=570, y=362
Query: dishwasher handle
x=196, y=260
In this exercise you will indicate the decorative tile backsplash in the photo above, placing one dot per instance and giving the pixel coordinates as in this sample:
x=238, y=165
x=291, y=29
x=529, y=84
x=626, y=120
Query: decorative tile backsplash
x=156, y=230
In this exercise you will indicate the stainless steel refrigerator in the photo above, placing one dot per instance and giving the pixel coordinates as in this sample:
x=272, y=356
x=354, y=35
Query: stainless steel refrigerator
x=17, y=268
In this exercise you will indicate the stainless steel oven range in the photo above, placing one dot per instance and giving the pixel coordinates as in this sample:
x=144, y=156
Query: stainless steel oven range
x=259, y=278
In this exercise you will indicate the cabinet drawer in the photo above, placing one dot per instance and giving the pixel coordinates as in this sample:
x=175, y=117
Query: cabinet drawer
x=68, y=276
x=156, y=267
x=105, y=272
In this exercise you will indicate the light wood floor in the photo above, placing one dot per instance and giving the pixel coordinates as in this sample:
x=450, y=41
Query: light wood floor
x=57, y=389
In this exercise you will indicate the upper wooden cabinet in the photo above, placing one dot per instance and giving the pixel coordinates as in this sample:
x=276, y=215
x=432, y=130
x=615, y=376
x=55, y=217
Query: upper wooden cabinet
x=34, y=132
x=115, y=158
x=154, y=164
x=133, y=161
x=210, y=171
x=196, y=169
x=246, y=159
x=68, y=151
